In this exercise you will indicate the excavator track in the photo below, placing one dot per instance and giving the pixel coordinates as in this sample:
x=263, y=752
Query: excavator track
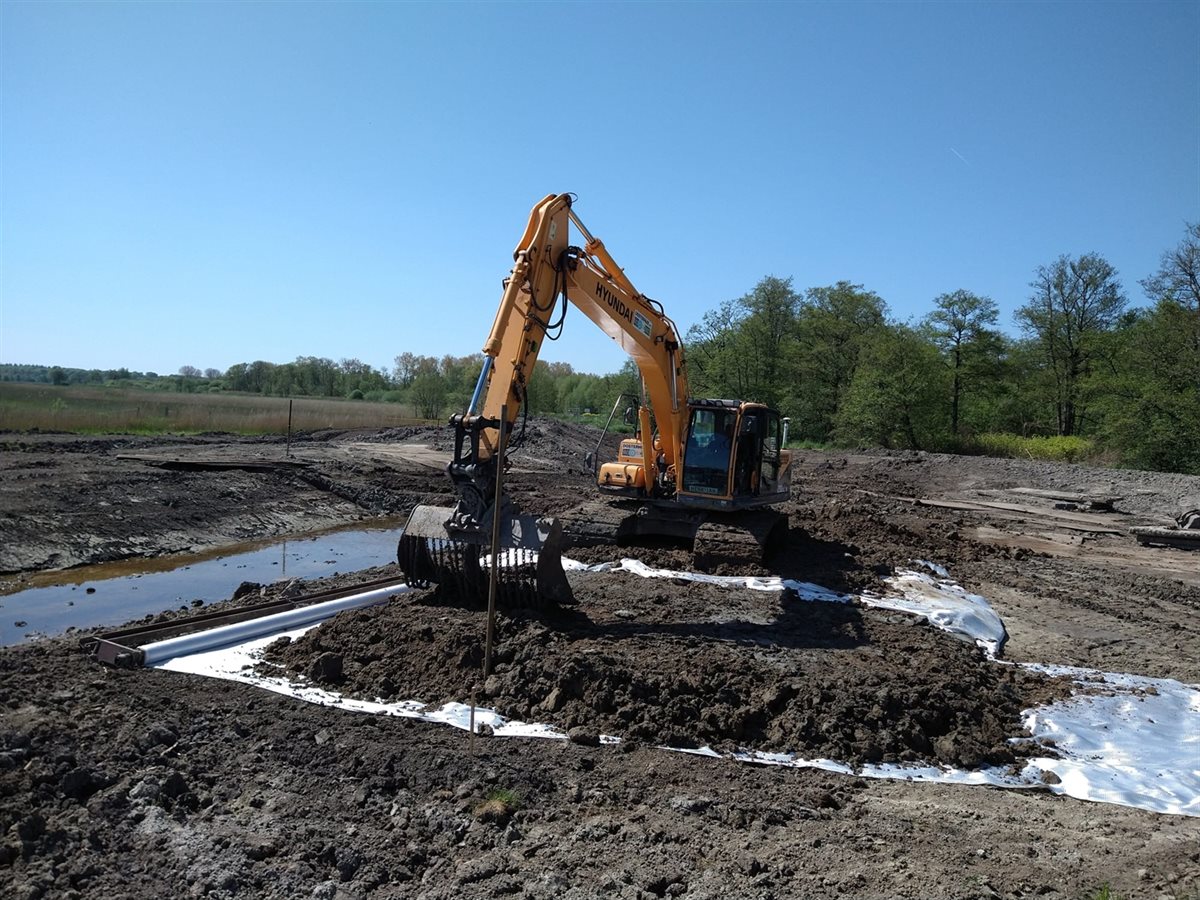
x=737, y=539
x=595, y=524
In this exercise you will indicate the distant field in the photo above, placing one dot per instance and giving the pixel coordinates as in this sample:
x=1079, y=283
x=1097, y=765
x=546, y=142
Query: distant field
x=101, y=410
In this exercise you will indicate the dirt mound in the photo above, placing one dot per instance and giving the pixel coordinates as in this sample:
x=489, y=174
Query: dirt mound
x=689, y=665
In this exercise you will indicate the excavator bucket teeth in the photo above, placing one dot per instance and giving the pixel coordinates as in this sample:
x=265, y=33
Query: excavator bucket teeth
x=529, y=567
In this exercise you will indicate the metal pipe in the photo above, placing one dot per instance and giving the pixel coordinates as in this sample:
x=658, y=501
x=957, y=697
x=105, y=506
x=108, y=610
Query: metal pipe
x=480, y=385
x=238, y=632
x=587, y=235
x=783, y=440
x=594, y=456
x=494, y=571
x=674, y=383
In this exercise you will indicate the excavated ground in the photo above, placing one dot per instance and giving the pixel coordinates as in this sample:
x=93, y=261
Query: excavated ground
x=154, y=783
x=691, y=665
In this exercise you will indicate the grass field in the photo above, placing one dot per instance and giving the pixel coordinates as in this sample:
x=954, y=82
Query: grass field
x=102, y=410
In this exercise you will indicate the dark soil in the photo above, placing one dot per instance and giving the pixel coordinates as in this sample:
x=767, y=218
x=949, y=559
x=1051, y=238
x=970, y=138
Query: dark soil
x=150, y=783
x=693, y=665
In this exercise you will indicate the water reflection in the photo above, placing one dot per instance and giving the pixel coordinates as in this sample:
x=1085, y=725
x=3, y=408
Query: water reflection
x=111, y=594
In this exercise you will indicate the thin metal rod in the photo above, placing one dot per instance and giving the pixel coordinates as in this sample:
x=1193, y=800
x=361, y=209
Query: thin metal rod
x=473, y=407
x=587, y=235
x=595, y=454
x=471, y=740
x=494, y=572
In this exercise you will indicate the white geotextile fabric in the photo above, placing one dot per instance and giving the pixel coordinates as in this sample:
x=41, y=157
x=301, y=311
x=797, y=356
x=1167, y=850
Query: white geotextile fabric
x=1122, y=739
x=944, y=604
x=939, y=600
x=238, y=663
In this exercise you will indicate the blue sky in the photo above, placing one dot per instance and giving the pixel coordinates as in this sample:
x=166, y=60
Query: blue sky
x=209, y=183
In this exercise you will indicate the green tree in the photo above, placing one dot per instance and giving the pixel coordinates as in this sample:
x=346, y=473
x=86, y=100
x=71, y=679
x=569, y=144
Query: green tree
x=236, y=377
x=627, y=381
x=316, y=376
x=769, y=335
x=1075, y=303
x=896, y=395
x=405, y=368
x=746, y=347
x=833, y=324
x=1151, y=396
x=717, y=357
x=258, y=376
x=963, y=327
x=540, y=394
x=428, y=395
x=1178, y=275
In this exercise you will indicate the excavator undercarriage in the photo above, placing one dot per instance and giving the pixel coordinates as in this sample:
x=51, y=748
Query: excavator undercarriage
x=717, y=539
x=531, y=574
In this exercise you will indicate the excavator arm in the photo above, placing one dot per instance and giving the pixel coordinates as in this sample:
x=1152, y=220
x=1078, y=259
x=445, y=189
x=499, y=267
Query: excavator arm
x=548, y=273
x=547, y=269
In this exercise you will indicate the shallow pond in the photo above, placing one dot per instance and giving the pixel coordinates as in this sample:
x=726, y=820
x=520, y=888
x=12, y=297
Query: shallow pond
x=111, y=594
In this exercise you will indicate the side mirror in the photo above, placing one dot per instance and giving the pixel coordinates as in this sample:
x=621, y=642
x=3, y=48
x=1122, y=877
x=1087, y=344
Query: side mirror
x=631, y=415
x=590, y=461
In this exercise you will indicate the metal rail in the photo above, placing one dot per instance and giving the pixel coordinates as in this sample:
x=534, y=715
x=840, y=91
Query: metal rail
x=122, y=647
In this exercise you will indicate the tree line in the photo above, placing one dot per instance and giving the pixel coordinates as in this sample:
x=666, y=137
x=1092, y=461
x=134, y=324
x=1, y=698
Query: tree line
x=1085, y=365
x=431, y=386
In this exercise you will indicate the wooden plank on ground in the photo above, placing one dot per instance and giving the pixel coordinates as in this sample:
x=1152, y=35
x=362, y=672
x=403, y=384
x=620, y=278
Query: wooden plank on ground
x=1085, y=522
x=1183, y=538
x=1091, y=501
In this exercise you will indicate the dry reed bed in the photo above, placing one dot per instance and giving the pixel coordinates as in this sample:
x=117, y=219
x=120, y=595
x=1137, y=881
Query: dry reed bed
x=84, y=409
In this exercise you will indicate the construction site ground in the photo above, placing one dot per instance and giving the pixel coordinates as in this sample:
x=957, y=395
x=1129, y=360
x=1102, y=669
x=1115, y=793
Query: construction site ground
x=154, y=783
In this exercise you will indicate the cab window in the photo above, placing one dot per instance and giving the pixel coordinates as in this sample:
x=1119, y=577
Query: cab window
x=709, y=445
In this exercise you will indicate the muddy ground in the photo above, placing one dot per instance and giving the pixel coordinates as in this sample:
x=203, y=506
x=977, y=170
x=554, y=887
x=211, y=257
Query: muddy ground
x=156, y=783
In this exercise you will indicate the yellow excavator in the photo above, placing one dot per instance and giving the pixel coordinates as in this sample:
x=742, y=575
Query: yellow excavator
x=704, y=471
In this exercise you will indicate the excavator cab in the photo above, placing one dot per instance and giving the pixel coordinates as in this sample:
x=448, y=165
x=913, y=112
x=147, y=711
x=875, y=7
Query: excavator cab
x=733, y=457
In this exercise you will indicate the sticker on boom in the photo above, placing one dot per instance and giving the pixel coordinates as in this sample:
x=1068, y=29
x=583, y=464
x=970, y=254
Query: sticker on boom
x=641, y=323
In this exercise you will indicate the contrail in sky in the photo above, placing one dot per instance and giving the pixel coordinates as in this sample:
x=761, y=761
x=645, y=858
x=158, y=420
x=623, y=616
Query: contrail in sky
x=959, y=155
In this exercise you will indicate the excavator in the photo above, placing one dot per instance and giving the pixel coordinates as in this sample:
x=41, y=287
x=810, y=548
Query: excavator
x=704, y=471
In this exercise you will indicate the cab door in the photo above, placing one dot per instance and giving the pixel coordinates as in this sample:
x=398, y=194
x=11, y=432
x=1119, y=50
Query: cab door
x=768, y=470
x=707, y=452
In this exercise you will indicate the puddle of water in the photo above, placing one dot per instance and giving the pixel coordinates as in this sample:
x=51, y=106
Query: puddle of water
x=129, y=589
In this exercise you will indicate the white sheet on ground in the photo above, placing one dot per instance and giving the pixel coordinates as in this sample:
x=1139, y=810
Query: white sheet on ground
x=939, y=600
x=1135, y=743
x=802, y=589
x=946, y=605
x=238, y=663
